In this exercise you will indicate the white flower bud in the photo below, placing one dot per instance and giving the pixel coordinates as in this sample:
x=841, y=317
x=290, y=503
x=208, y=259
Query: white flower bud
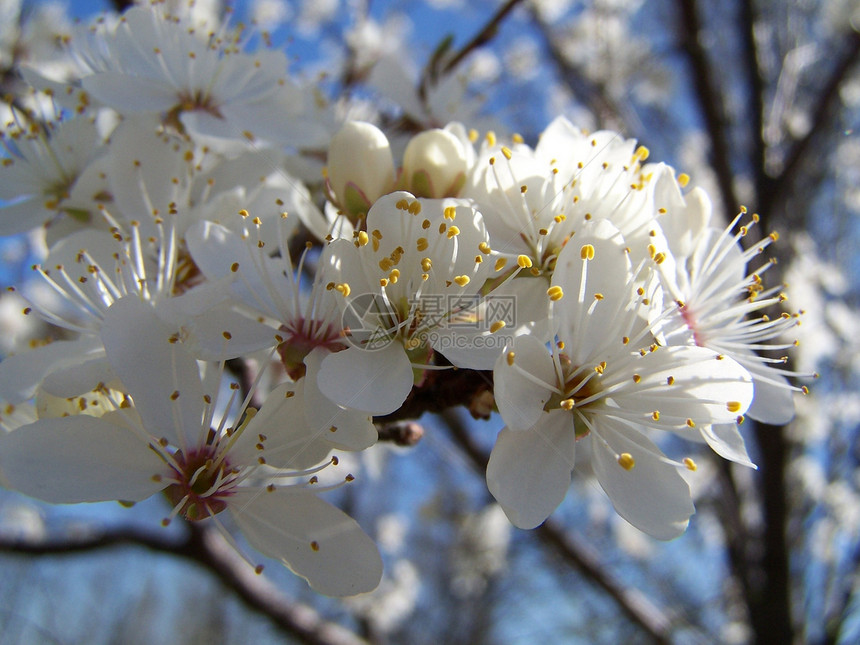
x=434, y=164
x=360, y=167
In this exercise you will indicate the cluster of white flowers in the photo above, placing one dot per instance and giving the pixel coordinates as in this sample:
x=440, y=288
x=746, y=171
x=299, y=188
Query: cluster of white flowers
x=602, y=295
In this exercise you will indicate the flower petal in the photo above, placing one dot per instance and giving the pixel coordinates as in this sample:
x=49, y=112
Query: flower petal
x=725, y=439
x=523, y=387
x=377, y=382
x=161, y=377
x=651, y=495
x=313, y=538
x=529, y=470
x=79, y=459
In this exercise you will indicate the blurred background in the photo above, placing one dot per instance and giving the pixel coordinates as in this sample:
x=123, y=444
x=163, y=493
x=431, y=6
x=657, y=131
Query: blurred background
x=759, y=102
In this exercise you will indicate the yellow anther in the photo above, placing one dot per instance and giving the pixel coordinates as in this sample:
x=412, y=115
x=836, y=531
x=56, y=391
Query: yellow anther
x=243, y=213
x=626, y=461
x=671, y=381
x=452, y=232
x=690, y=464
x=422, y=244
x=586, y=252
x=636, y=378
x=426, y=264
x=392, y=277
x=555, y=293
x=473, y=135
x=774, y=236
x=414, y=207
x=625, y=340
x=641, y=153
x=683, y=179
x=234, y=267
x=461, y=280
x=733, y=406
x=500, y=264
x=691, y=423
x=517, y=138
x=598, y=296
x=655, y=415
x=484, y=248
x=402, y=204
x=496, y=326
x=524, y=261
x=491, y=138
x=659, y=258
x=342, y=288
x=510, y=358
x=385, y=264
x=363, y=238
x=383, y=282
x=450, y=212
x=567, y=404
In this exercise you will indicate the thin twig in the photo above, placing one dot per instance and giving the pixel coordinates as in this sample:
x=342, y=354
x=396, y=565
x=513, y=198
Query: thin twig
x=209, y=550
x=632, y=602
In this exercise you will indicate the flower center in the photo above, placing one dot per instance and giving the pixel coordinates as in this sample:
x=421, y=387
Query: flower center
x=202, y=483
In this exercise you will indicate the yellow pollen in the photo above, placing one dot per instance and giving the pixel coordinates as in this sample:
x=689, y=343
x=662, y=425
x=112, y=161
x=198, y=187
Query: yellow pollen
x=555, y=293
x=496, y=326
x=586, y=252
x=524, y=261
x=626, y=461
x=690, y=464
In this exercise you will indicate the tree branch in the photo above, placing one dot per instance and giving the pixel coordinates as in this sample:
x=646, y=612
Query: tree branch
x=209, y=550
x=710, y=102
x=777, y=189
x=633, y=603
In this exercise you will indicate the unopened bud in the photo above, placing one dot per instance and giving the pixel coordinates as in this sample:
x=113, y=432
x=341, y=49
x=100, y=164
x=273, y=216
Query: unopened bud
x=434, y=165
x=360, y=167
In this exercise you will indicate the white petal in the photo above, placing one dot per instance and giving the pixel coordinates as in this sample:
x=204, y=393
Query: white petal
x=521, y=399
x=160, y=375
x=353, y=430
x=280, y=427
x=652, y=495
x=20, y=374
x=773, y=404
x=704, y=388
x=79, y=459
x=222, y=333
x=529, y=470
x=78, y=379
x=725, y=439
x=377, y=382
x=313, y=538
x=131, y=93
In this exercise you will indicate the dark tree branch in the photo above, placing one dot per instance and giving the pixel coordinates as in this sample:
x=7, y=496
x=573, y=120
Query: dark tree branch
x=209, y=550
x=755, y=95
x=709, y=99
x=777, y=190
x=633, y=603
